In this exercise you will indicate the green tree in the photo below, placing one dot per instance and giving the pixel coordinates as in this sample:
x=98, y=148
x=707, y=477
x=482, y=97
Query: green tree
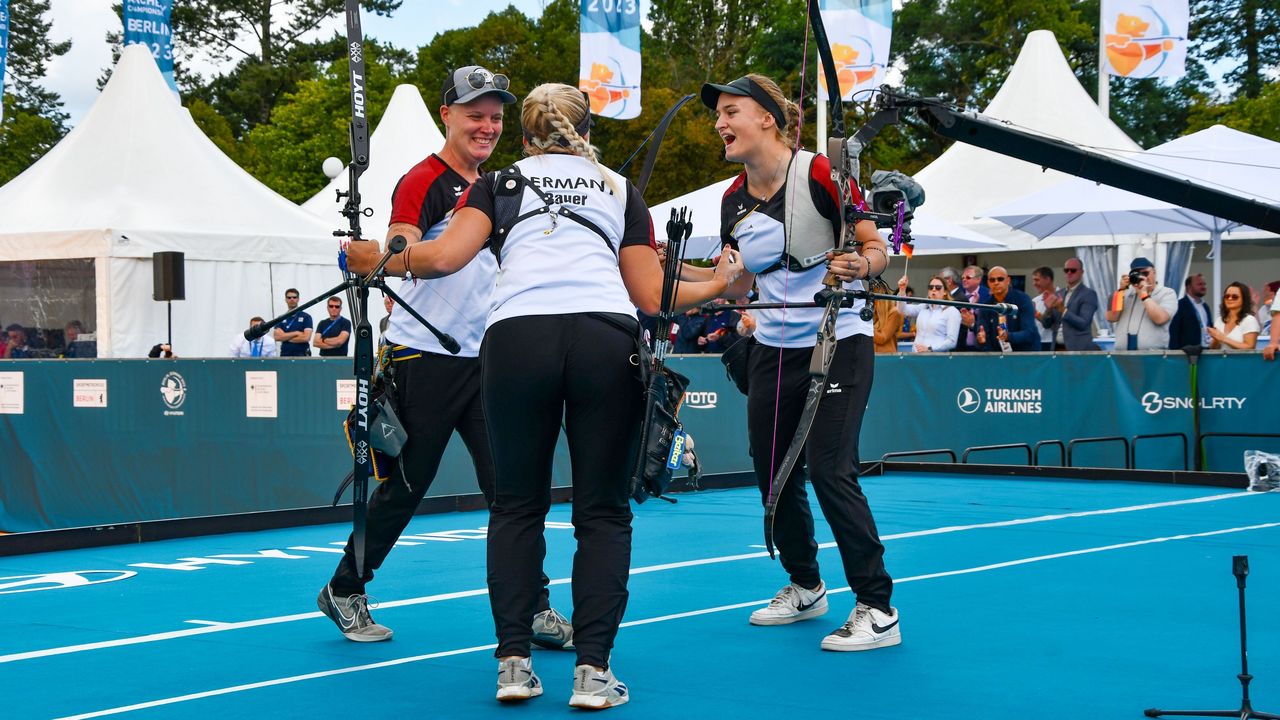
x=24, y=138
x=1244, y=31
x=33, y=116
x=1258, y=116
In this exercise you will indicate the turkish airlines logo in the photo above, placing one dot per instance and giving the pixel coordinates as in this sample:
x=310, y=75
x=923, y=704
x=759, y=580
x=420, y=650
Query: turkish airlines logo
x=969, y=401
x=57, y=581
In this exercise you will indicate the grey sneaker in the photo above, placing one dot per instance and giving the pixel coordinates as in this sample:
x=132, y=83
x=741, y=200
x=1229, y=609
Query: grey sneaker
x=516, y=680
x=552, y=631
x=866, y=629
x=792, y=604
x=595, y=690
x=351, y=615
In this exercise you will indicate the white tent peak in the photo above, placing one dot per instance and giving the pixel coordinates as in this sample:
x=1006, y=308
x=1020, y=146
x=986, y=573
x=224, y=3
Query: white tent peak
x=405, y=135
x=1040, y=94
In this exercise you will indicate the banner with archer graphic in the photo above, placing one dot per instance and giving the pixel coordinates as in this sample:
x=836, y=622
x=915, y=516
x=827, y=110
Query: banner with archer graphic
x=1145, y=38
x=146, y=22
x=610, y=57
x=4, y=48
x=859, y=31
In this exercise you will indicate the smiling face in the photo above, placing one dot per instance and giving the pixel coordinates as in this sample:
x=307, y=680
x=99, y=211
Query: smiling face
x=744, y=126
x=1042, y=283
x=472, y=130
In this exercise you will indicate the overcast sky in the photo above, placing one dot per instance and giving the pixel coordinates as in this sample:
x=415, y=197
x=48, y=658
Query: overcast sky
x=75, y=75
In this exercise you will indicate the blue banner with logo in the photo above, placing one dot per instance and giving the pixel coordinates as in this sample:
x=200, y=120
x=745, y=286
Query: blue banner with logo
x=4, y=49
x=609, y=57
x=146, y=22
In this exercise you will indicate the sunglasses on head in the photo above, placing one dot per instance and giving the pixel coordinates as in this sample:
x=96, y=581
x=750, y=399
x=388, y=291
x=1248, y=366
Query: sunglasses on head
x=477, y=79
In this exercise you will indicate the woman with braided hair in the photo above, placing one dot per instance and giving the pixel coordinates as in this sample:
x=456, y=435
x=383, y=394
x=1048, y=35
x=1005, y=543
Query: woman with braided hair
x=576, y=256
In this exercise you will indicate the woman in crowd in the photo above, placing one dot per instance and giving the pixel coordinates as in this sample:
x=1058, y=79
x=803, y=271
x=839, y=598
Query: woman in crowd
x=780, y=186
x=576, y=261
x=937, y=326
x=886, y=326
x=1236, y=326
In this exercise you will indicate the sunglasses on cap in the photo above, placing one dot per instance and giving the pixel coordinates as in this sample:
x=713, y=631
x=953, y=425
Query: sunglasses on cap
x=477, y=79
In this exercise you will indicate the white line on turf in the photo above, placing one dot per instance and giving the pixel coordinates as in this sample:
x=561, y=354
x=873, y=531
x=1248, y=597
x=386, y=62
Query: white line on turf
x=223, y=627
x=646, y=621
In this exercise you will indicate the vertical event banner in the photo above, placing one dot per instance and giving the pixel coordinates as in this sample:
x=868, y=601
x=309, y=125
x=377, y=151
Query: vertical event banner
x=609, y=68
x=1145, y=38
x=4, y=48
x=859, y=32
x=146, y=22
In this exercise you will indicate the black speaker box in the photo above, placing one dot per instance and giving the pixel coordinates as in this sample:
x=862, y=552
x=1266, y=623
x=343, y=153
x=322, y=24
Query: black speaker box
x=168, y=281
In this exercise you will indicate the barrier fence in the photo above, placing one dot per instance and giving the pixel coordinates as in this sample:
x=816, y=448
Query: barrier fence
x=97, y=442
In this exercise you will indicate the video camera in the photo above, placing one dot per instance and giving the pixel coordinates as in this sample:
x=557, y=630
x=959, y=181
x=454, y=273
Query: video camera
x=888, y=187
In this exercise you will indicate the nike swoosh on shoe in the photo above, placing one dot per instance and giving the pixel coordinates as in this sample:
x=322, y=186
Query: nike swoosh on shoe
x=886, y=628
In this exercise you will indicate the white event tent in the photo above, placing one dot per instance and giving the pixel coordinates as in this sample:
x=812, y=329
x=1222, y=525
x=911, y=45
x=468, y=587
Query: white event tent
x=1040, y=94
x=405, y=135
x=137, y=176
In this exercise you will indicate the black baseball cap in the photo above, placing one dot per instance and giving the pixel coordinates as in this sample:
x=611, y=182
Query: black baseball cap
x=746, y=87
x=470, y=82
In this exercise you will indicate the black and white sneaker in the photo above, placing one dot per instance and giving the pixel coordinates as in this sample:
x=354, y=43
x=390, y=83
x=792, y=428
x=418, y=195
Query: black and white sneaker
x=596, y=690
x=516, y=680
x=866, y=629
x=351, y=615
x=552, y=631
x=792, y=604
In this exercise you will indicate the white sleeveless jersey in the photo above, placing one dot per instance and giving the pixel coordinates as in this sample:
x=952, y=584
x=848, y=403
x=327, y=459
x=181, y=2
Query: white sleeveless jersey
x=553, y=265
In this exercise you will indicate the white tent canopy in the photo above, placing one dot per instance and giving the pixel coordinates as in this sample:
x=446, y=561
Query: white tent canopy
x=138, y=176
x=404, y=136
x=1219, y=157
x=1040, y=94
x=931, y=233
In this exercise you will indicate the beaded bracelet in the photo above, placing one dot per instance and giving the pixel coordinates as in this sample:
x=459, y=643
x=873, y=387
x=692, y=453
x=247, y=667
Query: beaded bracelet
x=883, y=254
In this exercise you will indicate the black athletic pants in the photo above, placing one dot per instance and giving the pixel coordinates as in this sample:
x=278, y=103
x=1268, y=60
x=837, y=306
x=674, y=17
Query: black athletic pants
x=537, y=371
x=831, y=457
x=437, y=394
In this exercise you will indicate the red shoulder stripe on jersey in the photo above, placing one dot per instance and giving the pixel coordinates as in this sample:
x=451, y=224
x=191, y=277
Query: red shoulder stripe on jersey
x=411, y=191
x=820, y=172
x=736, y=185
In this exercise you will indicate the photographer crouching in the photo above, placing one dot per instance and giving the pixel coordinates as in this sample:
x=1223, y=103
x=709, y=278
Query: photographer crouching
x=1141, y=309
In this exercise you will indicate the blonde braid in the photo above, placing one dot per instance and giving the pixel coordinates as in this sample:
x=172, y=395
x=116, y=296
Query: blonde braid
x=564, y=129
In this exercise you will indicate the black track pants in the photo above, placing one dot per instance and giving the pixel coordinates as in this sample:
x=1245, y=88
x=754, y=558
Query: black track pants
x=831, y=459
x=537, y=371
x=438, y=394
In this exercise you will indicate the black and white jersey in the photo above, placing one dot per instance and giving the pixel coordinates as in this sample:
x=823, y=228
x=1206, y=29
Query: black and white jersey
x=755, y=228
x=456, y=304
x=553, y=265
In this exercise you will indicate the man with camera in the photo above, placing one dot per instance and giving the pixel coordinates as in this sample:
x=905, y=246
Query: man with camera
x=1141, y=309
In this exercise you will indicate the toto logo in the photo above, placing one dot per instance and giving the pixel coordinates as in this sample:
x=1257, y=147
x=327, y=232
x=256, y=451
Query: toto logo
x=969, y=401
x=173, y=390
x=59, y=580
x=701, y=400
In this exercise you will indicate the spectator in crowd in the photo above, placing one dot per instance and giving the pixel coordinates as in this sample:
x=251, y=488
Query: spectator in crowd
x=389, y=304
x=293, y=334
x=333, y=332
x=1042, y=280
x=1269, y=352
x=951, y=279
x=16, y=342
x=907, y=333
x=746, y=324
x=264, y=346
x=972, y=290
x=162, y=350
x=75, y=347
x=1070, y=314
x=1269, y=292
x=688, y=330
x=887, y=323
x=721, y=330
x=937, y=326
x=1141, y=311
x=1236, y=326
x=1191, y=323
x=1017, y=333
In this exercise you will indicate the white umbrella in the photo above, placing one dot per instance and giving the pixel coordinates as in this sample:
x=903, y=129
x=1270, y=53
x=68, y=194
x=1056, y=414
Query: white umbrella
x=1220, y=157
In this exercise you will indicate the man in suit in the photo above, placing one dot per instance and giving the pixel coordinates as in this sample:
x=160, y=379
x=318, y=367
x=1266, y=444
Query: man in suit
x=951, y=283
x=1020, y=332
x=972, y=290
x=1070, y=314
x=1191, y=323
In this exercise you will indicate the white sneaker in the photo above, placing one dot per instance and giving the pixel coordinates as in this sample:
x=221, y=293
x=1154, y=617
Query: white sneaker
x=792, y=604
x=516, y=680
x=866, y=629
x=595, y=690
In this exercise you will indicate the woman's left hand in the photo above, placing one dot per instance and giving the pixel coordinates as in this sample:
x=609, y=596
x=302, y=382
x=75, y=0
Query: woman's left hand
x=848, y=266
x=363, y=256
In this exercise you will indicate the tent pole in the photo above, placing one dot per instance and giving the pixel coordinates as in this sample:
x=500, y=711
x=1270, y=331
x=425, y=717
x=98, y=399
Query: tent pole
x=1215, y=239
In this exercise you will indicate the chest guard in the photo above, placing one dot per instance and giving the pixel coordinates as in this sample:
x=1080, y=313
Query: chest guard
x=807, y=233
x=508, y=197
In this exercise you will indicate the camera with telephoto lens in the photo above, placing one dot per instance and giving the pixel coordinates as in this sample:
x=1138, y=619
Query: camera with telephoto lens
x=1136, y=277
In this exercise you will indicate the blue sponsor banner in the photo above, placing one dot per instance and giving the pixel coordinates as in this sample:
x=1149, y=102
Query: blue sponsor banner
x=146, y=22
x=609, y=57
x=4, y=48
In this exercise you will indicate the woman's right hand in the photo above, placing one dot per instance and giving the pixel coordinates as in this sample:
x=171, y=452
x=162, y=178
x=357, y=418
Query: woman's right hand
x=729, y=268
x=902, y=284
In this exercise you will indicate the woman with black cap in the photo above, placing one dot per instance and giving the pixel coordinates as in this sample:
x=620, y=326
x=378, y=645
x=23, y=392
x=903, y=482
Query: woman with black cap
x=574, y=244
x=783, y=214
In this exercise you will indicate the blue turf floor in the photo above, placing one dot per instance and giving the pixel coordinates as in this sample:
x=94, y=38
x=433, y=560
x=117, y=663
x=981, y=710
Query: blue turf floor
x=1018, y=598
